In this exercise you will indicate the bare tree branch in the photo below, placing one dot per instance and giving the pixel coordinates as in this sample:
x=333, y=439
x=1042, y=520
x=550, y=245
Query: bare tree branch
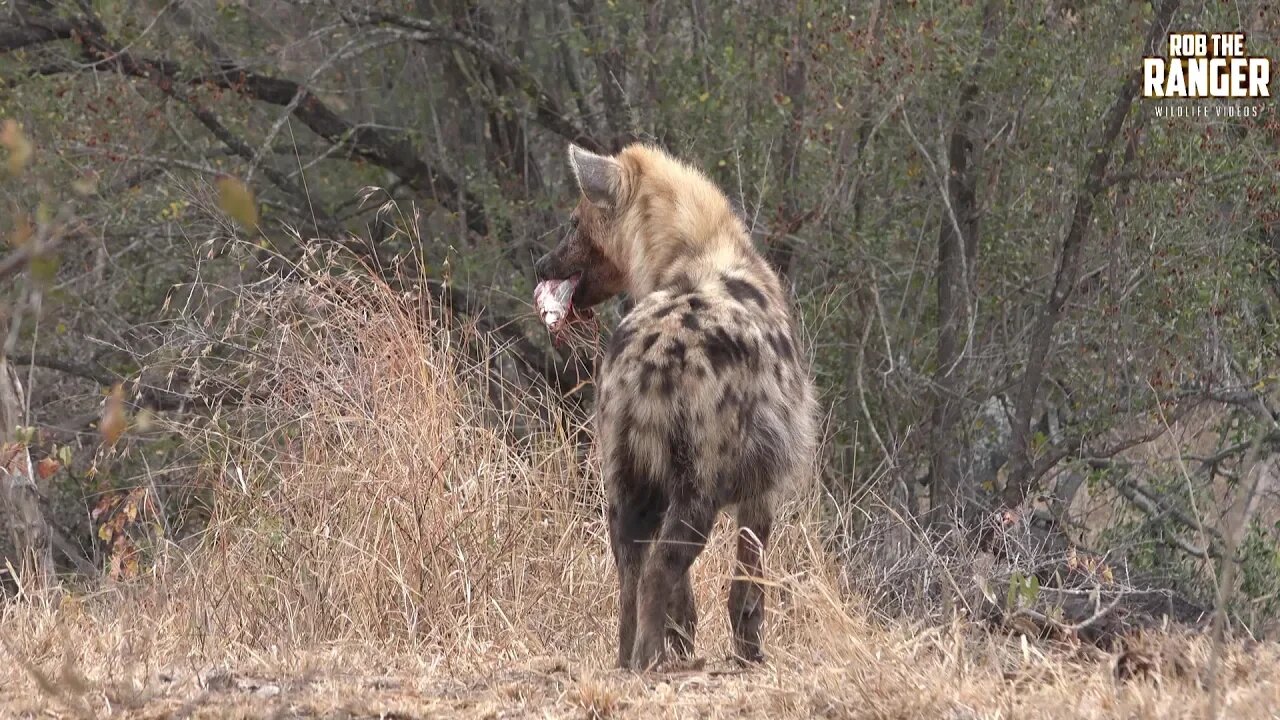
x=99, y=375
x=1021, y=475
x=1248, y=400
x=17, y=261
x=383, y=148
x=547, y=110
x=34, y=31
x=1157, y=508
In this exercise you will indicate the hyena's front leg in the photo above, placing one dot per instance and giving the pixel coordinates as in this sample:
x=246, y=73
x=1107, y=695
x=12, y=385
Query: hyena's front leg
x=683, y=535
x=634, y=518
x=682, y=618
x=746, y=597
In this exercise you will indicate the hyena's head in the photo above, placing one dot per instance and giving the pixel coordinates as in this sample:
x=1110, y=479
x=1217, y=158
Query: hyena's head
x=584, y=254
x=640, y=214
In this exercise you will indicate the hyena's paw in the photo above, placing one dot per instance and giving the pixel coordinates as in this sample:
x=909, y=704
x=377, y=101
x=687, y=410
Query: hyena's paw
x=681, y=642
x=650, y=652
x=684, y=665
x=746, y=654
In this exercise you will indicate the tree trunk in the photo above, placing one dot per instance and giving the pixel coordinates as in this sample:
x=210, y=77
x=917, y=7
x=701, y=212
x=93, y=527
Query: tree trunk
x=794, y=86
x=949, y=483
x=32, y=557
x=611, y=70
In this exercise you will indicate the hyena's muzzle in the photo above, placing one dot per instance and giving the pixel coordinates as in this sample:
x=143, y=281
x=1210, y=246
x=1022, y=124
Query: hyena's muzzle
x=577, y=271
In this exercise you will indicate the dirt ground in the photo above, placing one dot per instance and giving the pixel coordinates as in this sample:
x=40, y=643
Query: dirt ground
x=1061, y=684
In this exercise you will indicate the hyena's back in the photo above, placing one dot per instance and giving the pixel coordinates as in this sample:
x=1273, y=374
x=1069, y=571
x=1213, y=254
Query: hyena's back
x=702, y=389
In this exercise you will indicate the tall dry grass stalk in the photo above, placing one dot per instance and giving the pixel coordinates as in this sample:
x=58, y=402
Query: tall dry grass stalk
x=364, y=491
x=369, y=496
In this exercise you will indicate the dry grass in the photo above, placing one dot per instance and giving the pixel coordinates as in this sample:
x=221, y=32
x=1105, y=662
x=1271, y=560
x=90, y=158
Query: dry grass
x=379, y=548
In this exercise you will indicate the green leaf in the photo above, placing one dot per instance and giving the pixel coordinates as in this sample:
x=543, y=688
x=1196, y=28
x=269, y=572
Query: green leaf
x=1031, y=589
x=44, y=267
x=236, y=200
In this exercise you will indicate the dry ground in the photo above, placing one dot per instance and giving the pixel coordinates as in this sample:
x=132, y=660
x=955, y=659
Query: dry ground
x=378, y=547
x=842, y=668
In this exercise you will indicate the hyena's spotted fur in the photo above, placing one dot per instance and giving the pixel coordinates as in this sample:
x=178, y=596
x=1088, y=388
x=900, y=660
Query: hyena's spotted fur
x=704, y=398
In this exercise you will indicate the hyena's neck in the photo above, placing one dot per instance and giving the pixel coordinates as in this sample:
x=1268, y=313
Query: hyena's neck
x=678, y=229
x=682, y=264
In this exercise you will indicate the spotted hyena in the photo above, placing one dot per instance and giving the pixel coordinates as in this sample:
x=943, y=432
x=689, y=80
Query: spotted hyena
x=704, y=400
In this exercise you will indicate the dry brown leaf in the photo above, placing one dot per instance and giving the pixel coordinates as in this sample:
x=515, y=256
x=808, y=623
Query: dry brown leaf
x=113, y=421
x=20, y=149
x=47, y=467
x=22, y=231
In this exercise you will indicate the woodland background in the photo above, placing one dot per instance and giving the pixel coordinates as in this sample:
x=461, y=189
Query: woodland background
x=1027, y=297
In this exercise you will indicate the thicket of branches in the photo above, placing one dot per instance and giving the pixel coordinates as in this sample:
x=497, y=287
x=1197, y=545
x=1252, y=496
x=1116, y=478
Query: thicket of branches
x=1024, y=291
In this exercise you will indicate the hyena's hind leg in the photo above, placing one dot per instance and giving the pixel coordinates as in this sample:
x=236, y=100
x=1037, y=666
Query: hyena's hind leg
x=685, y=527
x=746, y=597
x=682, y=618
x=634, y=517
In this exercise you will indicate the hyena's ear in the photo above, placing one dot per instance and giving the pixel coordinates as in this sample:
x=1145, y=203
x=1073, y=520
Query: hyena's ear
x=599, y=177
